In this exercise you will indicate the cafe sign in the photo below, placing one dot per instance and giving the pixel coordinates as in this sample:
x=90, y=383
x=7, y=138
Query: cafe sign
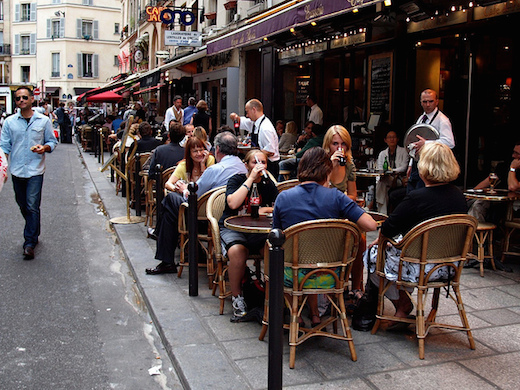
x=167, y=16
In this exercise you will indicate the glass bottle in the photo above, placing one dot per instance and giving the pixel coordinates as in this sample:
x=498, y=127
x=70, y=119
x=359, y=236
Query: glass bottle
x=254, y=201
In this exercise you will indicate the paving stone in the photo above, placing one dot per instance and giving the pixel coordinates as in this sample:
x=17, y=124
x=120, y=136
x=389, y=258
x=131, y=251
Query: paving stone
x=497, y=369
x=440, y=346
x=488, y=298
x=351, y=384
x=332, y=358
x=471, y=279
x=443, y=376
x=499, y=316
x=246, y=348
x=512, y=289
x=255, y=370
x=500, y=338
x=474, y=321
x=227, y=331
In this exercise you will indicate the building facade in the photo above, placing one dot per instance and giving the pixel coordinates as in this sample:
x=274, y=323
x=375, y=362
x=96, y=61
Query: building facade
x=64, y=47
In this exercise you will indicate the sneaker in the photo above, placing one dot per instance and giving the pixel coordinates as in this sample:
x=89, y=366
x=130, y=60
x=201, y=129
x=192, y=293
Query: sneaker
x=239, y=307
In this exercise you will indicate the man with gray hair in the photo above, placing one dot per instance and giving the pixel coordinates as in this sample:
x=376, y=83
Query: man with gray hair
x=216, y=175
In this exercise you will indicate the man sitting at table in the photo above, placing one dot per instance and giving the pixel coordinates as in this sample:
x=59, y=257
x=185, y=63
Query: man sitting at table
x=484, y=210
x=170, y=154
x=397, y=159
x=228, y=164
x=312, y=200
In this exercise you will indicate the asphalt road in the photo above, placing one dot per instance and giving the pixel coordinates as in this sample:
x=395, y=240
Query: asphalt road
x=72, y=318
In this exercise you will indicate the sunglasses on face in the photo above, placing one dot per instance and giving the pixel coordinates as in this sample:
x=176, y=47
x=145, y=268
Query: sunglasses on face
x=24, y=97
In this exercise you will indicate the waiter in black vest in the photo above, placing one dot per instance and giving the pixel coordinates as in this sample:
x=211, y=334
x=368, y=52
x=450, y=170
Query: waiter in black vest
x=263, y=133
x=431, y=116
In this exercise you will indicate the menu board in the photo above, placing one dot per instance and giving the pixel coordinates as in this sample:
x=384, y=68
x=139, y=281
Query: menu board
x=303, y=84
x=380, y=84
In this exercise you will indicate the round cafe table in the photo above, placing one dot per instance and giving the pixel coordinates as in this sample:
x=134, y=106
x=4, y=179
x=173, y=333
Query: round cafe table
x=247, y=224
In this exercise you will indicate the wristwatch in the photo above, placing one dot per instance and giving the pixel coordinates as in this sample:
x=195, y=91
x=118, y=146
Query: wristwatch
x=512, y=169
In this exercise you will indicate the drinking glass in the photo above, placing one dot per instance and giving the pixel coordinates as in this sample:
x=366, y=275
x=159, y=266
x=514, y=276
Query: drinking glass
x=493, y=179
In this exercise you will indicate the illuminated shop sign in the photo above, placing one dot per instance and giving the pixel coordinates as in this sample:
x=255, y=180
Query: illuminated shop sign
x=167, y=16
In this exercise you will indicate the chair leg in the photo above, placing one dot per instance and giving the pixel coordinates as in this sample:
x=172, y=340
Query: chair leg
x=509, y=233
x=481, y=237
x=380, y=305
x=463, y=317
x=342, y=316
x=182, y=261
x=265, y=320
x=420, y=325
x=490, y=250
x=435, y=305
x=293, y=331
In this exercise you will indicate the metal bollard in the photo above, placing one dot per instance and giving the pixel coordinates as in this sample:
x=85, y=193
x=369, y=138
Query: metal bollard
x=193, y=250
x=275, y=353
x=159, y=193
x=137, y=189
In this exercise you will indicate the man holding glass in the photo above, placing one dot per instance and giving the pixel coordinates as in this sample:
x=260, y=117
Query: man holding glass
x=26, y=137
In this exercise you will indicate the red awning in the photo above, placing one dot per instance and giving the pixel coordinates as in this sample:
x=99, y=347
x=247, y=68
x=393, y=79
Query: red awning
x=103, y=97
x=148, y=89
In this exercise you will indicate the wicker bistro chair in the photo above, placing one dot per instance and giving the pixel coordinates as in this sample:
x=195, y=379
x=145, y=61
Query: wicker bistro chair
x=511, y=225
x=287, y=184
x=131, y=169
x=150, y=195
x=326, y=248
x=202, y=237
x=442, y=242
x=214, y=210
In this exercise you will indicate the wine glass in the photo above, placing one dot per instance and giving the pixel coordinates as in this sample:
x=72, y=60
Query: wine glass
x=493, y=179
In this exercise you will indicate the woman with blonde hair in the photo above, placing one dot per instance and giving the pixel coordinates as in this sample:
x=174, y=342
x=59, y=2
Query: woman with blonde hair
x=289, y=137
x=337, y=143
x=437, y=168
x=201, y=134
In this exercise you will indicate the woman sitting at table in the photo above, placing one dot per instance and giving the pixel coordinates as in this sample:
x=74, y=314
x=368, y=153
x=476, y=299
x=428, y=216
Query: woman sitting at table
x=337, y=143
x=313, y=200
x=237, y=244
x=288, y=138
x=437, y=168
x=196, y=160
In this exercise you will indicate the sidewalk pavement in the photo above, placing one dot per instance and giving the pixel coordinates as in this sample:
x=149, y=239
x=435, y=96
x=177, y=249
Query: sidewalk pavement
x=208, y=351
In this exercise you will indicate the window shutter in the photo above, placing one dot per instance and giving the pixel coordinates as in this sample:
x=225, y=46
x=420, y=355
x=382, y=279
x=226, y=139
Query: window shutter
x=33, y=44
x=49, y=23
x=80, y=65
x=33, y=12
x=78, y=28
x=17, y=12
x=95, y=29
x=62, y=27
x=95, y=61
x=17, y=44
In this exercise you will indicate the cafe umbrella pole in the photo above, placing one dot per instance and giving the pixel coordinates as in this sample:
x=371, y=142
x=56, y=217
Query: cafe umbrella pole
x=275, y=351
x=193, y=253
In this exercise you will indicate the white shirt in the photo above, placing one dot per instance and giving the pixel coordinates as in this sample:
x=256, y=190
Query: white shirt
x=401, y=159
x=267, y=137
x=170, y=115
x=442, y=124
x=316, y=115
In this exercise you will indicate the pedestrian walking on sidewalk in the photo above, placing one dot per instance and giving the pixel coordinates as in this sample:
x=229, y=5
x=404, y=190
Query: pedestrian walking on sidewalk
x=26, y=137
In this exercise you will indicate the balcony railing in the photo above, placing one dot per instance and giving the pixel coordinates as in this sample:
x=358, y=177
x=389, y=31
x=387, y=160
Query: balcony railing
x=25, y=52
x=5, y=49
x=55, y=74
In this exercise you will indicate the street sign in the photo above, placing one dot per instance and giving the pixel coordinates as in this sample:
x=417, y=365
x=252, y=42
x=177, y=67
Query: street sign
x=182, y=38
x=36, y=93
x=162, y=54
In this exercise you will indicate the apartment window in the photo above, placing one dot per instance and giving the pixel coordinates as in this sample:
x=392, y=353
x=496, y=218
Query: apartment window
x=25, y=12
x=1, y=10
x=25, y=44
x=56, y=1
x=116, y=61
x=87, y=65
x=87, y=2
x=55, y=28
x=55, y=65
x=3, y=73
x=86, y=28
x=116, y=28
x=26, y=74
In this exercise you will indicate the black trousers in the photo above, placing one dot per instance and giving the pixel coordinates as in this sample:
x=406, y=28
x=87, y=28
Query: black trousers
x=273, y=167
x=167, y=229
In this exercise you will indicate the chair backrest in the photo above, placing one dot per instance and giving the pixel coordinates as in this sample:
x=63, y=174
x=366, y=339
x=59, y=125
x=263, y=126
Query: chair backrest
x=214, y=210
x=441, y=240
x=285, y=185
x=167, y=173
x=322, y=244
x=201, y=210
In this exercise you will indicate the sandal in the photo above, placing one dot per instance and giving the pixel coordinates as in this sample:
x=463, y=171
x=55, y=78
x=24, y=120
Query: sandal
x=313, y=322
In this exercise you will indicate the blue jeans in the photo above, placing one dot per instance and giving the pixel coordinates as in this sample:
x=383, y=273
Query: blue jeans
x=28, y=193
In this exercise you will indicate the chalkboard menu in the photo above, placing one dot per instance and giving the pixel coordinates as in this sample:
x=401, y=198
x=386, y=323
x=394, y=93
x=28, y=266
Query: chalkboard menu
x=380, y=84
x=303, y=84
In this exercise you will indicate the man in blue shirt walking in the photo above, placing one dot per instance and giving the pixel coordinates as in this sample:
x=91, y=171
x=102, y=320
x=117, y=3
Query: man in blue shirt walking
x=26, y=137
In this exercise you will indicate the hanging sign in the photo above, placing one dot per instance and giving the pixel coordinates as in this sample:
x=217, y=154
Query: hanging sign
x=167, y=16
